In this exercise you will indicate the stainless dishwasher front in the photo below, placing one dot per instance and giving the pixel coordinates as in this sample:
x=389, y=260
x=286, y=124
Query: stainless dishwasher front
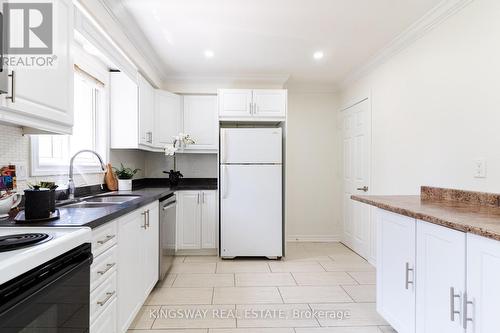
x=167, y=234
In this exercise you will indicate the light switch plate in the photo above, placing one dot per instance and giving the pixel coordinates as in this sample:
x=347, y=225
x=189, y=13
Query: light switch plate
x=480, y=168
x=21, y=170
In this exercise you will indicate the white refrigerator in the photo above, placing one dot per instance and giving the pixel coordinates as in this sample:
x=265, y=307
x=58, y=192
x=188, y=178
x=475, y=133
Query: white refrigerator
x=251, y=192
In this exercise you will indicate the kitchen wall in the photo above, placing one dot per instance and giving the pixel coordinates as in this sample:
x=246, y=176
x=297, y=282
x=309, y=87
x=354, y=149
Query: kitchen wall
x=14, y=147
x=436, y=106
x=312, y=172
x=190, y=165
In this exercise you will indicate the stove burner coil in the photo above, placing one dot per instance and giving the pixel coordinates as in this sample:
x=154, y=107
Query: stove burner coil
x=18, y=241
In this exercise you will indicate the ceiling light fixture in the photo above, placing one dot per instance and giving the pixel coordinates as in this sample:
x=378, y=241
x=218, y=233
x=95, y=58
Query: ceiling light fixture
x=209, y=53
x=318, y=55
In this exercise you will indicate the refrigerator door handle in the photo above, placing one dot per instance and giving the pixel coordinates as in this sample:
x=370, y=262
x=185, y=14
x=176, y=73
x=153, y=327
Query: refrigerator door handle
x=224, y=182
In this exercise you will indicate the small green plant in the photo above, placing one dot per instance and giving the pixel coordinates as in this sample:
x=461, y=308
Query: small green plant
x=125, y=173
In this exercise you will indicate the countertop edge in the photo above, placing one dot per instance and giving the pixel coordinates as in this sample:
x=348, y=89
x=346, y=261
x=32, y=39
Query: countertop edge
x=429, y=218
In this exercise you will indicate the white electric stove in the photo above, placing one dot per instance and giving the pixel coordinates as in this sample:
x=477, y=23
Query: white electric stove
x=35, y=246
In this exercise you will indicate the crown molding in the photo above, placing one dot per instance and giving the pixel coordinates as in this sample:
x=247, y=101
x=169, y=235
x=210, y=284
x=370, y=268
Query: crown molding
x=117, y=11
x=425, y=24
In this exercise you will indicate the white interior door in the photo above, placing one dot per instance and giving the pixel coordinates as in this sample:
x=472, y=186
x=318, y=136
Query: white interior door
x=251, y=210
x=356, y=158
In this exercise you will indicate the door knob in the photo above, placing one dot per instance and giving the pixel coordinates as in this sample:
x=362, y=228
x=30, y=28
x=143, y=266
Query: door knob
x=364, y=189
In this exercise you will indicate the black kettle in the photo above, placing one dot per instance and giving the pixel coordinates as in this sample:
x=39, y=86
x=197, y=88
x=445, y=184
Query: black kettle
x=39, y=203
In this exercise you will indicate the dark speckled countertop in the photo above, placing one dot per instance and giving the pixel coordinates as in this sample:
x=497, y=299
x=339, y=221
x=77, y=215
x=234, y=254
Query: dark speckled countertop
x=474, y=212
x=149, y=191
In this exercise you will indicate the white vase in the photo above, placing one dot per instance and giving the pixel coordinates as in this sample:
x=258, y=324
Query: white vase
x=124, y=184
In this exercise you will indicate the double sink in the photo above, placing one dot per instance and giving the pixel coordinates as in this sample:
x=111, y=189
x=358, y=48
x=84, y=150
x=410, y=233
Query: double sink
x=98, y=201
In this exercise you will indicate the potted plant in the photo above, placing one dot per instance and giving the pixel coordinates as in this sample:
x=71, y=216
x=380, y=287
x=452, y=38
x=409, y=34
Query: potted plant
x=125, y=176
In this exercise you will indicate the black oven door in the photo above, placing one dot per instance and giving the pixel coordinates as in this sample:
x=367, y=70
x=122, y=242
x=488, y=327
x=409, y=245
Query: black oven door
x=54, y=297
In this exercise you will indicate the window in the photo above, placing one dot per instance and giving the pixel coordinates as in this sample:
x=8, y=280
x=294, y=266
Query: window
x=51, y=153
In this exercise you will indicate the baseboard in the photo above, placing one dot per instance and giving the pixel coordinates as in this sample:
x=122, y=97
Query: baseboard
x=198, y=252
x=313, y=238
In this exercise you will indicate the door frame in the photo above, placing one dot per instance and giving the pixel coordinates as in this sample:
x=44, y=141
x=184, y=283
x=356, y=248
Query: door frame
x=370, y=255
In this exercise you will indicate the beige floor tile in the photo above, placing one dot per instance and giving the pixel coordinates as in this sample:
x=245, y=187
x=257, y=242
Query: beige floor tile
x=201, y=259
x=306, y=257
x=344, y=258
x=169, y=296
x=361, y=293
x=246, y=295
x=202, y=330
x=314, y=294
x=264, y=279
x=279, y=267
x=242, y=267
x=364, y=277
x=349, y=314
x=333, y=266
x=196, y=316
x=167, y=281
x=323, y=278
x=358, y=329
x=178, y=259
x=276, y=315
x=144, y=320
x=387, y=329
x=203, y=280
x=193, y=268
x=251, y=330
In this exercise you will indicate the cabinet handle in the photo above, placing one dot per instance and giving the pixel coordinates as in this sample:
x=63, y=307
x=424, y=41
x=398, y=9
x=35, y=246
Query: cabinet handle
x=407, y=276
x=254, y=108
x=364, y=189
x=107, y=239
x=12, y=96
x=108, y=267
x=198, y=198
x=251, y=111
x=147, y=218
x=145, y=225
x=105, y=300
x=466, y=318
x=202, y=197
x=453, y=312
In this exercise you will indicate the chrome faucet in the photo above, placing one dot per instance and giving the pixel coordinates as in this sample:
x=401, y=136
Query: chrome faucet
x=71, y=183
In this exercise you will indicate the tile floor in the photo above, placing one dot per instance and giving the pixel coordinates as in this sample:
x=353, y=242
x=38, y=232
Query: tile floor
x=317, y=288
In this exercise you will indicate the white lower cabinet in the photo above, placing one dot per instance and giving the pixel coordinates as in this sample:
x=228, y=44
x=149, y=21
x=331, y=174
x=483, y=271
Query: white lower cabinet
x=395, y=270
x=137, y=261
x=196, y=220
x=483, y=287
x=434, y=279
x=440, y=277
x=106, y=322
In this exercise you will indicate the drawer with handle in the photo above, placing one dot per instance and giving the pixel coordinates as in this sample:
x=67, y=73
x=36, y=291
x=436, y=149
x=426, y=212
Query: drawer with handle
x=102, y=296
x=106, y=322
x=103, y=267
x=103, y=238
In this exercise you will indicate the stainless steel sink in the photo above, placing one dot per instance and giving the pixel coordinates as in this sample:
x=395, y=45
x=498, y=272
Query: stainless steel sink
x=84, y=204
x=111, y=198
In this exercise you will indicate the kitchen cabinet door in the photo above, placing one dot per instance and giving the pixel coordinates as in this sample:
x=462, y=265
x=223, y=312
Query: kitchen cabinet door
x=235, y=103
x=440, y=276
x=151, y=248
x=167, y=117
x=269, y=103
x=483, y=289
x=188, y=220
x=201, y=122
x=146, y=111
x=395, y=270
x=106, y=322
x=43, y=97
x=130, y=281
x=124, y=99
x=209, y=220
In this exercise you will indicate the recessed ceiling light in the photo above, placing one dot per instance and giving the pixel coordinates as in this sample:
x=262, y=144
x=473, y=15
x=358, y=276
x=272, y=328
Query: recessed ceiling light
x=318, y=55
x=209, y=53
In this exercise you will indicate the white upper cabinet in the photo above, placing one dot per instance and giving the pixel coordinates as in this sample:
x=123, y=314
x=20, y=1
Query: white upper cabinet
x=201, y=122
x=483, y=290
x=42, y=98
x=269, y=103
x=395, y=270
x=235, y=103
x=167, y=117
x=440, y=277
x=252, y=105
x=146, y=112
x=123, y=111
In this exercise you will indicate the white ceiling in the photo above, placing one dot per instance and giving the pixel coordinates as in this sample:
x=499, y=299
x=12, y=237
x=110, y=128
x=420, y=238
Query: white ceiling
x=268, y=38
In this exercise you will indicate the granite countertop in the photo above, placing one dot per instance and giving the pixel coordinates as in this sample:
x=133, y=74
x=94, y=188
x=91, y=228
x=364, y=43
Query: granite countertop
x=474, y=212
x=149, y=191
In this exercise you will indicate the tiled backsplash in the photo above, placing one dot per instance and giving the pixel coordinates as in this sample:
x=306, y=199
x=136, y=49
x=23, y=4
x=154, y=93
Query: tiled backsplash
x=15, y=147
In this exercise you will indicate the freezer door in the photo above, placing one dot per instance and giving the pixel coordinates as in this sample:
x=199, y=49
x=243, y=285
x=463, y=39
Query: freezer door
x=251, y=210
x=251, y=145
